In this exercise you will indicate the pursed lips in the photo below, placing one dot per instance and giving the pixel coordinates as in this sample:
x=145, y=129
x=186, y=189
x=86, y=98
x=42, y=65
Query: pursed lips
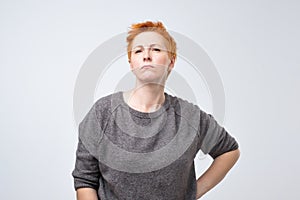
x=147, y=66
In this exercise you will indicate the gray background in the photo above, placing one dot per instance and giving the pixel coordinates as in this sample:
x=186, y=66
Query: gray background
x=255, y=48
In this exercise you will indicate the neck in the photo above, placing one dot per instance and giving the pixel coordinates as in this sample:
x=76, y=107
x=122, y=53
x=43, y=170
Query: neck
x=146, y=98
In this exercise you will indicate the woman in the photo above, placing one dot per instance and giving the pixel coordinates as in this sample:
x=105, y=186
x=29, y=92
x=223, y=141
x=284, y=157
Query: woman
x=141, y=143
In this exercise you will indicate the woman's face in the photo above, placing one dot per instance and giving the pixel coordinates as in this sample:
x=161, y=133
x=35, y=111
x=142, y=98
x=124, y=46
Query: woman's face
x=149, y=58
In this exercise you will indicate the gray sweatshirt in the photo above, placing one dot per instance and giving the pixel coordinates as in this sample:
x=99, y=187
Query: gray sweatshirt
x=126, y=154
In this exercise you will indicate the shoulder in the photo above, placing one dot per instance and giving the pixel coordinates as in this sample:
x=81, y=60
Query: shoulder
x=187, y=108
x=102, y=108
x=94, y=123
x=189, y=112
x=106, y=104
x=182, y=106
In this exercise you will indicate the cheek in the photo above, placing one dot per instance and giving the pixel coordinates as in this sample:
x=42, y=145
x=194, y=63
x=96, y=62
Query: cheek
x=162, y=60
x=134, y=63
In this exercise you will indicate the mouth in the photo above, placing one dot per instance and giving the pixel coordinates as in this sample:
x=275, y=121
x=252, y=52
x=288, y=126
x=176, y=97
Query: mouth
x=147, y=67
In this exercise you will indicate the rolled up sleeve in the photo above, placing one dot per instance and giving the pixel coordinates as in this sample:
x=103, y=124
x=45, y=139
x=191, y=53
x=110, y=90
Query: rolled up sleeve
x=86, y=172
x=213, y=138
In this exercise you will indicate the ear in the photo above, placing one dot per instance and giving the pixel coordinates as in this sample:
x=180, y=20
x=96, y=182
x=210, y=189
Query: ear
x=131, y=67
x=171, y=65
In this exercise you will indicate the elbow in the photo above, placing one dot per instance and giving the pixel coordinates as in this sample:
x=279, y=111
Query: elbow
x=235, y=154
x=238, y=153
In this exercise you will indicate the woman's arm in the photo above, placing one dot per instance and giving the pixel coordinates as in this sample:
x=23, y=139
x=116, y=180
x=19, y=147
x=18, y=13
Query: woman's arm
x=216, y=172
x=86, y=194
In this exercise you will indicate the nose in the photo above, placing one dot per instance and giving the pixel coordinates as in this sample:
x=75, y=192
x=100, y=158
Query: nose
x=147, y=56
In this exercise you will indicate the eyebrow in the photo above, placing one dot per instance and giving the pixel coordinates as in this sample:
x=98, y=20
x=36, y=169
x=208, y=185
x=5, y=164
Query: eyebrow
x=151, y=45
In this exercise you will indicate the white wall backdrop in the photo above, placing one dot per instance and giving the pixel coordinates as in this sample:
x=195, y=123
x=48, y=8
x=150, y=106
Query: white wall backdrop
x=253, y=44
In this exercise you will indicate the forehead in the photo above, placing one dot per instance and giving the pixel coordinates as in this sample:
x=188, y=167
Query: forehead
x=149, y=38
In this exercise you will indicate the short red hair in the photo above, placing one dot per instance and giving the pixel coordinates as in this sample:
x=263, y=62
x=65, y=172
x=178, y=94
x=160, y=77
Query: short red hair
x=157, y=27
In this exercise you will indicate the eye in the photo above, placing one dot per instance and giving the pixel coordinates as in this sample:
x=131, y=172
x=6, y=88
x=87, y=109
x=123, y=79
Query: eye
x=137, y=51
x=156, y=49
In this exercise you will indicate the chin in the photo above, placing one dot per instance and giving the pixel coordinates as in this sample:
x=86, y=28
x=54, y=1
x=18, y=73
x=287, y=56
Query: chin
x=151, y=79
